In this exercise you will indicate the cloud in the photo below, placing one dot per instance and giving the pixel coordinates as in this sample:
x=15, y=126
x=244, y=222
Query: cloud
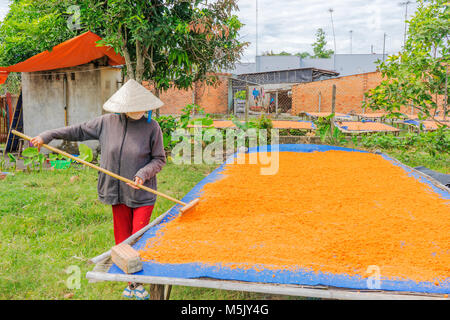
x=4, y=8
x=290, y=25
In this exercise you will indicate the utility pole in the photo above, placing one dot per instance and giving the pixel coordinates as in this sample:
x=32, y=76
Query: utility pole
x=332, y=26
x=351, y=39
x=256, y=30
x=406, y=3
x=384, y=45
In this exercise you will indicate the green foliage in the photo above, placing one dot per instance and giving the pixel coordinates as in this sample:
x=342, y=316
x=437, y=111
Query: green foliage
x=188, y=111
x=320, y=44
x=33, y=157
x=271, y=53
x=33, y=26
x=303, y=55
x=264, y=122
x=292, y=132
x=327, y=134
x=435, y=143
x=169, y=42
x=241, y=95
x=53, y=157
x=168, y=125
x=417, y=75
x=243, y=125
x=85, y=153
x=12, y=85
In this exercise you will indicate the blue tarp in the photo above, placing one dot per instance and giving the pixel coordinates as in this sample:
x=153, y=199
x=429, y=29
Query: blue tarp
x=303, y=277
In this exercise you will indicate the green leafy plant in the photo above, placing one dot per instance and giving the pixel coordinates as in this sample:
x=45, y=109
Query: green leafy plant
x=168, y=125
x=33, y=157
x=418, y=75
x=54, y=157
x=188, y=111
x=264, y=122
x=240, y=95
x=85, y=153
x=13, y=160
x=327, y=134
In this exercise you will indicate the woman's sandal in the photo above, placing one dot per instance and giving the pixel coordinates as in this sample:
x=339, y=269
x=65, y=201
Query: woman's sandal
x=140, y=293
x=128, y=292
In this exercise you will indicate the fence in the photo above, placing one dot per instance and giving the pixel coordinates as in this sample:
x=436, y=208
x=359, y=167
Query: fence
x=4, y=116
x=256, y=96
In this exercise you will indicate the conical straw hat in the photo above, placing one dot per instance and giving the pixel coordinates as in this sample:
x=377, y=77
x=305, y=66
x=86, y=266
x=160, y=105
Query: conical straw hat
x=132, y=97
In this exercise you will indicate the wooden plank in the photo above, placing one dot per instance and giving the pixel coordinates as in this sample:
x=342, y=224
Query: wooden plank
x=291, y=290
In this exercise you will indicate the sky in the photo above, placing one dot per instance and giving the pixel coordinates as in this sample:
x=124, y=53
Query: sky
x=290, y=25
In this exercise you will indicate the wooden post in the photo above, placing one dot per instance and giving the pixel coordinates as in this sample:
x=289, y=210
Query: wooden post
x=333, y=107
x=320, y=99
x=157, y=95
x=156, y=292
x=276, y=102
x=246, y=102
x=167, y=291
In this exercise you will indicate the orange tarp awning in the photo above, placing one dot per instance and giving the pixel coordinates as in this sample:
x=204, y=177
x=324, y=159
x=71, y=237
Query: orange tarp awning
x=73, y=52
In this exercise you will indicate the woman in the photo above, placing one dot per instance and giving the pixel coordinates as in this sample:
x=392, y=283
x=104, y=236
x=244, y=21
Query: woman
x=131, y=146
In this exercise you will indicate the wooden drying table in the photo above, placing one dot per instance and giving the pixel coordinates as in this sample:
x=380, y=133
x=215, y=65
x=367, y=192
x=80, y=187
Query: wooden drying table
x=160, y=287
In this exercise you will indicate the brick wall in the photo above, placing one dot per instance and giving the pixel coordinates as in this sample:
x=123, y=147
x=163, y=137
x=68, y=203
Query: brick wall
x=213, y=99
x=349, y=93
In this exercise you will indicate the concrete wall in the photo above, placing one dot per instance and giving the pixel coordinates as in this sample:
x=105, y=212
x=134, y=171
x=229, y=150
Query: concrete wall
x=88, y=87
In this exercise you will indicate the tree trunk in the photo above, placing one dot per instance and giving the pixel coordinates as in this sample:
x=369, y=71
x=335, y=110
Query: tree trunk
x=126, y=54
x=139, y=62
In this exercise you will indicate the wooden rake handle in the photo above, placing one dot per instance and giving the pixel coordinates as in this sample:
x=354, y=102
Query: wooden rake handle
x=93, y=166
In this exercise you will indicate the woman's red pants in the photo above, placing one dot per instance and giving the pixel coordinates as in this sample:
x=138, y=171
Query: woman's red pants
x=128, y=221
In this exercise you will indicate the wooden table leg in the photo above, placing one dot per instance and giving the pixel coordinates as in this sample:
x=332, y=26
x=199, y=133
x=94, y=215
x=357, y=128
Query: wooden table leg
x=156, y=292
x=167, y=290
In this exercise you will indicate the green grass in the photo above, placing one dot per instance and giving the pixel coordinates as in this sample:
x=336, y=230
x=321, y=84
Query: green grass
x=48, y=224
x=439, y=163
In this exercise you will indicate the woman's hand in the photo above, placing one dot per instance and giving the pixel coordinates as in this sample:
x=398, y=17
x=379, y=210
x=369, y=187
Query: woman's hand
x=37, y=142
x=137, y=180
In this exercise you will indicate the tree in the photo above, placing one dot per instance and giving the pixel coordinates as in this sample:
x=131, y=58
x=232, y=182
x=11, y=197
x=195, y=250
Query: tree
x=271, y=53
x=303, y=55
x=418, y=75
x=32, y=26
x=169, y=42
x=320, y=44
